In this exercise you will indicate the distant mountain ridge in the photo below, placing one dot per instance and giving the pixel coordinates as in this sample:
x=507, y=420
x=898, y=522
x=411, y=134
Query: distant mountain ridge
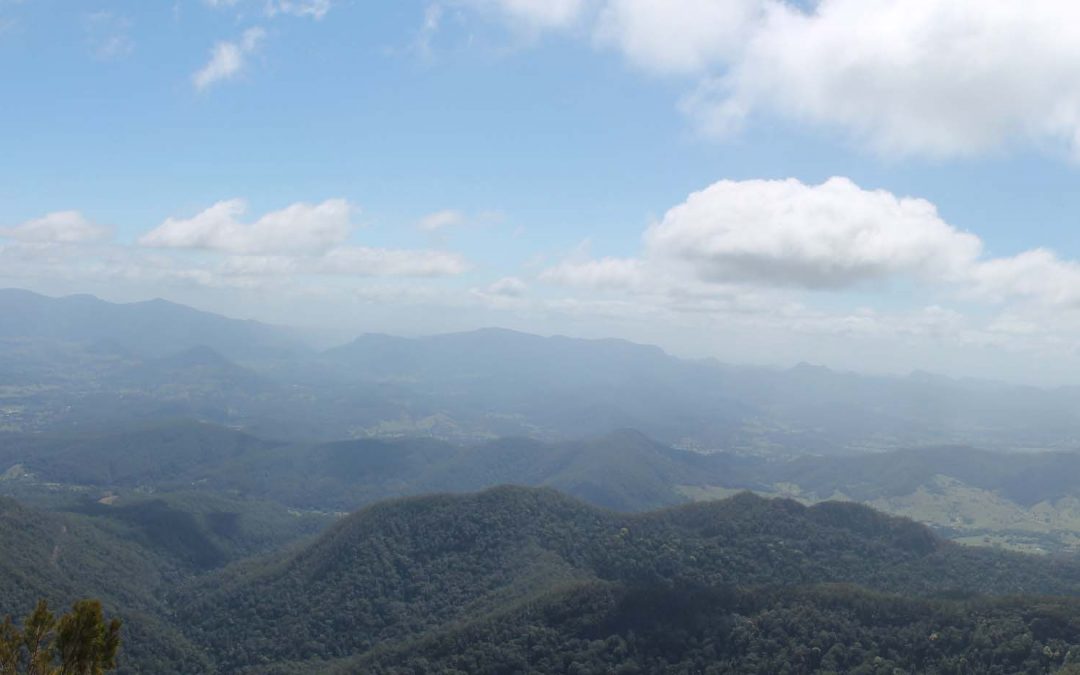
x=154, y=327
x=1032, y=499
x=78, y=362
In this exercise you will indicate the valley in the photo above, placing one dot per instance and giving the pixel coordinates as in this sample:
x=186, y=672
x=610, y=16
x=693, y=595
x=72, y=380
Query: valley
x=401, y=506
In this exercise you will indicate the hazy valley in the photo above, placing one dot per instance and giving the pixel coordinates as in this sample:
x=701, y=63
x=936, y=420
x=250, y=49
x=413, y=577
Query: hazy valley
x=249, y=504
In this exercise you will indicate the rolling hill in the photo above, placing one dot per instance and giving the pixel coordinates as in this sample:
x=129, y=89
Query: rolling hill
x=466, y=568
x=1029, y=501
x=512, y=579
x=62, y=558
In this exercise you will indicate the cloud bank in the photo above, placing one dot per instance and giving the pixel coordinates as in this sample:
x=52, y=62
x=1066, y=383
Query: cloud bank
x=836, y=236
x=937, y=78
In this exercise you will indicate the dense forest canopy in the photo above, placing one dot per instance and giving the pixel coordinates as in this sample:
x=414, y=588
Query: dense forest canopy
x=513, y=578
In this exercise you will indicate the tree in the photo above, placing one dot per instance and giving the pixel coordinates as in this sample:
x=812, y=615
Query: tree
x=78, y=643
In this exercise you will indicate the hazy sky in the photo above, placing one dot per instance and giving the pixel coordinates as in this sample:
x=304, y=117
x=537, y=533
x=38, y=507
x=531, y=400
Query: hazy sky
x=871, y=184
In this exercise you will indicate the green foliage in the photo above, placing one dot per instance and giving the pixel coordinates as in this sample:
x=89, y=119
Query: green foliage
x=618, y=628
x=402, y=570
x=625, y=470
x=77, y=643
x=62, y=558
x=530, y=580
x=85, y=643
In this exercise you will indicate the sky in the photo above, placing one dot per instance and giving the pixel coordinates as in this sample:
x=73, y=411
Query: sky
x=874, y=185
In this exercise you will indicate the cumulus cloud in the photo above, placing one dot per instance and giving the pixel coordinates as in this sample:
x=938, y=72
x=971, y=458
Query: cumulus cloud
x=301, y=239
x=66, y=248
x=738, y=246
x=1038, y=275
x=680, y=36
x=227, y=59
x=935, y=78
x=298, y=228
x=831, y=235
x=59, y=227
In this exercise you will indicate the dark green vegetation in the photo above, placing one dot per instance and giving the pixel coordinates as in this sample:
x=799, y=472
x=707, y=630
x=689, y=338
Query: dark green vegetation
x=63, y=558
x=79, y=642
x=514, y=577
x=508, y=577
x=625, y=470
x=1025, y=500
x=79, y=363
x=619, y=628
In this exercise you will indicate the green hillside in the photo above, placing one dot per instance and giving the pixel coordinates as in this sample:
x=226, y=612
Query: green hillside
x=1025, y=501
x=408, y=569
x=63, y=558
x=638, y=629
x=515, y=579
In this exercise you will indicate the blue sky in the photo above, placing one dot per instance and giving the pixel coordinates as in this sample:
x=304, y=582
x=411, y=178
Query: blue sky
x=415, y=167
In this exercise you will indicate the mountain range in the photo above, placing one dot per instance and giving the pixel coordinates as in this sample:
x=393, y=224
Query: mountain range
x=79, y=363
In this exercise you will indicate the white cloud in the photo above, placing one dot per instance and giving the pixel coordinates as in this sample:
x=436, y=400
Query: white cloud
x=227, y=59
x=831, y=235
x=441, y=219
x=677, y=35
x=932, y=77
x=59, y=227
x=737, y=247
x=936, y=78
x=300, y=228
x=1038, y=275
x=301, y=239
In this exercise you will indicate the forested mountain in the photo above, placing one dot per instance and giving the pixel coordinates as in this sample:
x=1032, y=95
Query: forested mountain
x=419, y=568
x=62, y=558
x=199, y=486
x=80, y=363
x=518, y=578
x=640, y=628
